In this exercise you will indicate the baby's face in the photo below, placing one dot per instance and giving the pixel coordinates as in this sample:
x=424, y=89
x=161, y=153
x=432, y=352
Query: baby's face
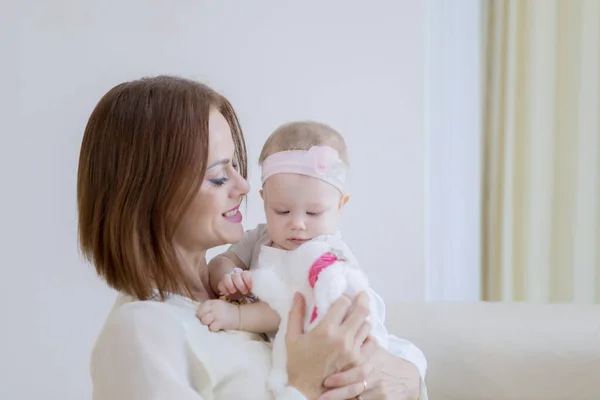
x=299, y=208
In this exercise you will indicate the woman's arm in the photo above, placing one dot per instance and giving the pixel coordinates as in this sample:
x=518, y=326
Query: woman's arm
x=387, y=376
x=401, y=348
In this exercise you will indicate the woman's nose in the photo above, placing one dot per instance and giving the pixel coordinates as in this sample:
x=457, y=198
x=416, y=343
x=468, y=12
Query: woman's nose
x=241, y=186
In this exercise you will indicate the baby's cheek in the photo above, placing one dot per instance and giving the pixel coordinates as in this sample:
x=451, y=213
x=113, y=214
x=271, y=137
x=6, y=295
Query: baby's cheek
x=276, y=232
x=329, y=224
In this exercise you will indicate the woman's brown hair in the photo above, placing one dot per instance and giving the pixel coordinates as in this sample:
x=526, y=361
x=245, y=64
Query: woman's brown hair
x=142, y=161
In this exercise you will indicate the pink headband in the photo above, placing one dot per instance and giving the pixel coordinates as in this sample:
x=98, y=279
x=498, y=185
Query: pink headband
x=321, y=162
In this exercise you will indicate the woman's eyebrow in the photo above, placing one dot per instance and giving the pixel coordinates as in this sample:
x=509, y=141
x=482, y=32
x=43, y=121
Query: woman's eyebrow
x=220, y=162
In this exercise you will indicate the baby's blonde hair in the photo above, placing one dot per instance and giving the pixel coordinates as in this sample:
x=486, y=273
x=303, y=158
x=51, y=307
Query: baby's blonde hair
x=302, y=135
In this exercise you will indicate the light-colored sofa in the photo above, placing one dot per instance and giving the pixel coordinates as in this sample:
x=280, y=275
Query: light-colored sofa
x=504, y=351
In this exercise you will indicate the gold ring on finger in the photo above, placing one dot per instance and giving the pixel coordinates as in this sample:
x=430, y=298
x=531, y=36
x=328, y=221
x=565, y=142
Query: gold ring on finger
x=365, y=388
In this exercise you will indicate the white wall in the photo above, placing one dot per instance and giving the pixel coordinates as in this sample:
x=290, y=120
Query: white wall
x=454, y=159
x=357, y=67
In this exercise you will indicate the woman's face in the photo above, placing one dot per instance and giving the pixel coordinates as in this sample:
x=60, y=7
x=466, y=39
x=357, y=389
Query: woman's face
x=213, y=218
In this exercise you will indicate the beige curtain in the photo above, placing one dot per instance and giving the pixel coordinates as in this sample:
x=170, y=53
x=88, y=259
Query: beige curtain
x=541, y=189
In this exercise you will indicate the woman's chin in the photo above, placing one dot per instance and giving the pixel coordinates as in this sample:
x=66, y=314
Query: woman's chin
x=232, y=234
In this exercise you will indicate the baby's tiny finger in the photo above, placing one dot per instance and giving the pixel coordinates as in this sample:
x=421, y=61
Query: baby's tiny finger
x=239, y=283
x=207, y=319
x=228, y=282
x=247, y=278
x=203, y=309
x=247, y=275
x=214, y=327
x=222, y=289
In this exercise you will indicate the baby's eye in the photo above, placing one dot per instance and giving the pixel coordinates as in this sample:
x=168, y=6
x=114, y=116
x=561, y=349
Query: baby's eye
x=314, y=214
x=281, y=212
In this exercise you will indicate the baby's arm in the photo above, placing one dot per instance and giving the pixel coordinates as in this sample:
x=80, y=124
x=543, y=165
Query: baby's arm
x=258, y=318
x=239, y=255
x=253, y=317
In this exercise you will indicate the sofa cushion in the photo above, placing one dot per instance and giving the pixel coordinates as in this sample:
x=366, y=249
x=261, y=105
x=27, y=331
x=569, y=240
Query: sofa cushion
x=504, y=351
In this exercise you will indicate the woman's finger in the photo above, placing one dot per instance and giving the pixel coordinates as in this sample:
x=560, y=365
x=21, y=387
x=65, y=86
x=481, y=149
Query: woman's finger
x=346, y=392
x=358, y=315
x=337, y=312
x=349, y=377
x=363, y=333
x=296, y=317
x=368, y=349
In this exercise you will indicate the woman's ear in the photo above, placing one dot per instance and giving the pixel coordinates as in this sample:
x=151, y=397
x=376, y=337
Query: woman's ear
x=344, y=200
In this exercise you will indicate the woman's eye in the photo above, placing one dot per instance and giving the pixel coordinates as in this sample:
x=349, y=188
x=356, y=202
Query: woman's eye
x=219, y=181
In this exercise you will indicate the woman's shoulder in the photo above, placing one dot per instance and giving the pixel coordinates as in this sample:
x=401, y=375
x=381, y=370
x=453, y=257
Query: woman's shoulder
x=142, y=322
x=144, y=345
x=128, y=310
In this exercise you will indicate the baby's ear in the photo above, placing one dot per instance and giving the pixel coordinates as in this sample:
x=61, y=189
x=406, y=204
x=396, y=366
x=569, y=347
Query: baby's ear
x=261, y=194
x=345, y=198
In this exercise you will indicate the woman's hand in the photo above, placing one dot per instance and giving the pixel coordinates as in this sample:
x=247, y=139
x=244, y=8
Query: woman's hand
x=387, y=377
x=334, y=345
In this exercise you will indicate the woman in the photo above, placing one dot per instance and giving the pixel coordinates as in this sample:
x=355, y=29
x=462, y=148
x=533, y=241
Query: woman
x=162, y=172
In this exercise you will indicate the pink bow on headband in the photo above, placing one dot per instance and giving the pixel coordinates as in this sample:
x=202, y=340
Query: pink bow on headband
x=325, y=158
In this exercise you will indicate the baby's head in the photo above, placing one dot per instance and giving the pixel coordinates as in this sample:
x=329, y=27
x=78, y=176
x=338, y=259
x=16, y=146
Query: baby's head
x=303, y=173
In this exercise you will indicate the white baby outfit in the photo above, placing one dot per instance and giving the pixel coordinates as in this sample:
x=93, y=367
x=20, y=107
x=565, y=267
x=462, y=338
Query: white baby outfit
x=255, y=252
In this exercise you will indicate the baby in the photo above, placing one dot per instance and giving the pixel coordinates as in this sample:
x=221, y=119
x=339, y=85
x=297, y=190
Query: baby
x=304, y=167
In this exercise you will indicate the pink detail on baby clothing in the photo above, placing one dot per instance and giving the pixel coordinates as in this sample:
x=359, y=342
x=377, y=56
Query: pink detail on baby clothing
x=314, y=315
x=318, y=266
x=322, y=262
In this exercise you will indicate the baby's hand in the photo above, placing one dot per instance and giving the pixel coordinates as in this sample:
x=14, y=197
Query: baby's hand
x=236, y=284
x=219, y=315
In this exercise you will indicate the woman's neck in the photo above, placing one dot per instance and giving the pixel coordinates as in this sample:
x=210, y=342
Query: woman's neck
x=196, y=269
